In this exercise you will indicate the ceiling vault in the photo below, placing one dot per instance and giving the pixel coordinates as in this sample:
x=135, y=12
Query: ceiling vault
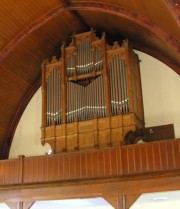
x=92, y=6
x=133, y=16
x=174, y=8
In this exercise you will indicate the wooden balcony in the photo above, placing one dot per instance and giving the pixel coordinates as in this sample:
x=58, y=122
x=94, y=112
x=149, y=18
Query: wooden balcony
x=112, y=162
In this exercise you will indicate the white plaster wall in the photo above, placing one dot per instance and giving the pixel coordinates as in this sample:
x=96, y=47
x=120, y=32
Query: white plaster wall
x=161, y=93
x=26, y=140
x=161, y=97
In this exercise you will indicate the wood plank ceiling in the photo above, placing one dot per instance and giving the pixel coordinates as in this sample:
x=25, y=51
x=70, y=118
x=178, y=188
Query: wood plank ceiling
x=31, y=31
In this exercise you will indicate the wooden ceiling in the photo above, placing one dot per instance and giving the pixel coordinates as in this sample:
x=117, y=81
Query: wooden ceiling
x=31, y=31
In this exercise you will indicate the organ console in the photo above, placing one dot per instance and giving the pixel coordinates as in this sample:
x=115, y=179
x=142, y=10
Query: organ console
x=91, y=96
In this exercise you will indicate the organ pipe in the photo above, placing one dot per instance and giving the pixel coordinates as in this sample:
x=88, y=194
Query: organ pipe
x=118, y=87
x=79, y=90
x=85, y=60
x=85, y=102
x=53, y=113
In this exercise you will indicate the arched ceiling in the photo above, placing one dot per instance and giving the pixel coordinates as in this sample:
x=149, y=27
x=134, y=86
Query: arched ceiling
x=34, y=30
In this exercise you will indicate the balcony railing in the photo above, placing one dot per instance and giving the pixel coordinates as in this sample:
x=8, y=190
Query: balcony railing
x=116, y=161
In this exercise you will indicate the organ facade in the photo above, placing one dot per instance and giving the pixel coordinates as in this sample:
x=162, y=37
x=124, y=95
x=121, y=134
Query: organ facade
x=92, y=95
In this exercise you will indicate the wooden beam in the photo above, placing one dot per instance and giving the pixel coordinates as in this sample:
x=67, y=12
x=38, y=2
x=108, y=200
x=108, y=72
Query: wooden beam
x=20, y=205
x=112, y=200
x=118, y=202
x=28, y=204
x=130, y=199
x=93, y=188
x=12, y=205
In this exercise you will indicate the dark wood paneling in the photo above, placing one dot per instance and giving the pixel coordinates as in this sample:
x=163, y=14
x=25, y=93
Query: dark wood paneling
x=157, y=133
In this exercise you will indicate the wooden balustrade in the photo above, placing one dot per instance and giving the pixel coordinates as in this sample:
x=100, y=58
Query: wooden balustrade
x=93, y=164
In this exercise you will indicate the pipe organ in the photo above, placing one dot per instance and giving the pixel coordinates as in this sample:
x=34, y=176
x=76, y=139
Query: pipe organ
x=91, y=96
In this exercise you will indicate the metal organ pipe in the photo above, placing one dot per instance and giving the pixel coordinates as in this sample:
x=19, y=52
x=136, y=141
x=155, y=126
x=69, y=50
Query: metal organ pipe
x=67, y=103
x=47, y=103
x=95, y=98
x=53, y=110
x=51, y=98
x=85, y=56
x=96, y=92
x=71, y=101
x=91, y=61
x=112, y=83
x=73, y=95
x=102, y=97
x=70, y=68
x=98, y=59
x=84, y=60
x=54, y=100
x=122, y=86
x=113, y=90
x=59, y=99
x=85, y=102
x=78, y=103
x=119, y=83
x=118, y=86
x=116, y=60
x=115, y=85
x=78, y=59
x=126, y=88
x=99, y=96
x=56, y=96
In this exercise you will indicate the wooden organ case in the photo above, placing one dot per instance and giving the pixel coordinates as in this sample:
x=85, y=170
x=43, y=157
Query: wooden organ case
x=91, y=96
